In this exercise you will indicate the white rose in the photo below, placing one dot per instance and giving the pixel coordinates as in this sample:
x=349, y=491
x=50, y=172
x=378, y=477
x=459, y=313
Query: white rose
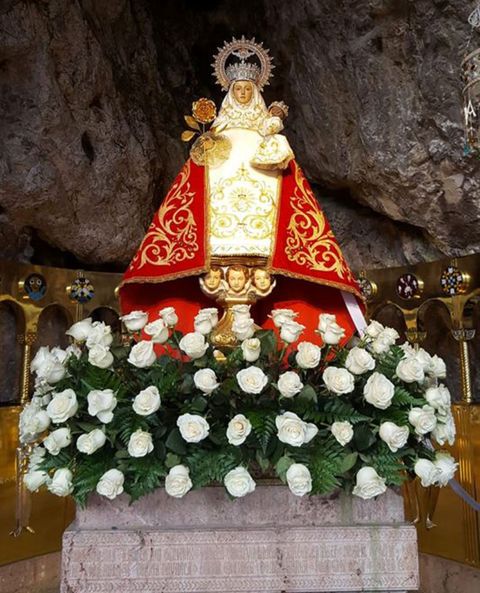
x=40, y=359
x=178, y=482
x=444, y=432
x=423, y=358
x=56, y=370
x=48, y=365
x=101, y=403
x=280, y=316
x=147, y=401
x=251, y=348
x=374, y=329
x=427, y=472
x=408, y=349
x=158, y=331
x=33, y=421
x=308, y=355
x=61, y=484
x=437, y=367
x=439, y=398
x=142, y=355
x=385, y=340
x=205, y=320
x=99, y=333
x=359, y=361
x=391, y=334
x=100, y=356
x=292, y=430
x=34, y=479
x=79, y=331
x=56, y=352
x=91, y=441
x=45, y=398
x=111, y=483
x=343, y=432
x=368, y=483
x=59, y=354
x=289, y=384
x=394, y=436
x=329, y=329
x=338, y=381
x=193, y=428
x=206, y=380
x=290, y=331
x=62, y=406
x=299, y=479
x=140, y=443
x=238, y=429
x=243, y=328
x=73, y=350
x=239, y=482
x=379, y=391
x=37, y=457
x=241, y=312
x=252, y=379
x=194, y=345
x=169, y=316
x=135, y=321
x=57, y=440
x=446, y=467
x=410, y=370
x=422, y=419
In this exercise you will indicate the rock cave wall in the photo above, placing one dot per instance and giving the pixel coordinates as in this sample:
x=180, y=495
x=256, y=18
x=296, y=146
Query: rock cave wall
x=93, y=92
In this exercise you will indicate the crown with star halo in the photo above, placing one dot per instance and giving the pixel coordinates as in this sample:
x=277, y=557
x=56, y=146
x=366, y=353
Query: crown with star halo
x=243, y=70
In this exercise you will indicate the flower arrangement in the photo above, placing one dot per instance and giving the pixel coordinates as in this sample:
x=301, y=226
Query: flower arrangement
x=163, y=408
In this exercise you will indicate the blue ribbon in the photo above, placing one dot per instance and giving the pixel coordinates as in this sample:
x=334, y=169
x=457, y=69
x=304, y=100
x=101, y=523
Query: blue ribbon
x=464, y=495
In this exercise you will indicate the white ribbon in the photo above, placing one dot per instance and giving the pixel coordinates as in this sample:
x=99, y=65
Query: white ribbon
x=355, y=311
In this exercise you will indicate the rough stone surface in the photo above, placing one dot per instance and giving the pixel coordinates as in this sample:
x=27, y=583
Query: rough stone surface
x=267, y=542
x=439, y=575
x=35, y=575
x=92, y=96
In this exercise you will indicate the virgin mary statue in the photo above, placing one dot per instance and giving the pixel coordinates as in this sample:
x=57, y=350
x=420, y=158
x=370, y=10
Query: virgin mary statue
x=240, y=223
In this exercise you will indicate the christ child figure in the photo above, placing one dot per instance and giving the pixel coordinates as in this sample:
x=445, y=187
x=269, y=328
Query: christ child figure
x=273, y=150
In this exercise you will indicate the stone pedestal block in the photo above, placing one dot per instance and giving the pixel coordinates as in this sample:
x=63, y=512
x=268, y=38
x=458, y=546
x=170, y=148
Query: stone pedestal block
x=267, y=542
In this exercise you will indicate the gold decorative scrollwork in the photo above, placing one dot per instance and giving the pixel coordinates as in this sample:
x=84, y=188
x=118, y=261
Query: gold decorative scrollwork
x=309, y=243
x=172, y=236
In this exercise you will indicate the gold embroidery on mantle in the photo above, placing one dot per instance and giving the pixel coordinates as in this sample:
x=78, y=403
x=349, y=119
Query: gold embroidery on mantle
x=174, y=239
x=242, y=215
x=308, y=242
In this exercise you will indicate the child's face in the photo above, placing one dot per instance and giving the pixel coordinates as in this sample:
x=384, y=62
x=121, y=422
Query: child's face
x=261, y=279
x=237, y=280
x=212, y=279
x=276, y=112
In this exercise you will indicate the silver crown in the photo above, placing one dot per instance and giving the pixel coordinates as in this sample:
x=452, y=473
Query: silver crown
x=243, y=71
x=243, y=49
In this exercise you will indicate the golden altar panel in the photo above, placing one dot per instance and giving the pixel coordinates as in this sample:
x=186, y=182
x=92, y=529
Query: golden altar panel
x=48, y=514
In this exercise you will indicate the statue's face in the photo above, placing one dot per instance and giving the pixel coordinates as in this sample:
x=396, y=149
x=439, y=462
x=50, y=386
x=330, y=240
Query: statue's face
x=243, y=91
x=261, y=279
x=212, y=279
x=236, y=280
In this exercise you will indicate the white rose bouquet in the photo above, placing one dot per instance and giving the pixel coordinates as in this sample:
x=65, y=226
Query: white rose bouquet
x=162, y=409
